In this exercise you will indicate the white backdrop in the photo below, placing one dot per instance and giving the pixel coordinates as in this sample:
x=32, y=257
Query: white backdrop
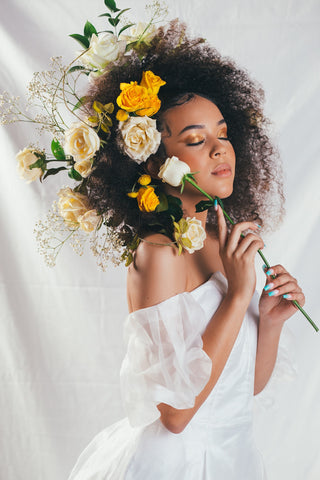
x=61, y=329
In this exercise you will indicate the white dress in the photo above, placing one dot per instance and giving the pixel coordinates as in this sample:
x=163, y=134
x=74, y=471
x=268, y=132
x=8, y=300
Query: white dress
x=165, y=362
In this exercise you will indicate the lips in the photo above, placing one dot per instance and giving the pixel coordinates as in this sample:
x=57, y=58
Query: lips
x=223, y=170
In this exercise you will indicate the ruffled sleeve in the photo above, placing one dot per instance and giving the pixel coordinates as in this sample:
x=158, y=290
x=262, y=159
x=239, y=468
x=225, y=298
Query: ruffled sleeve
x=165, y=361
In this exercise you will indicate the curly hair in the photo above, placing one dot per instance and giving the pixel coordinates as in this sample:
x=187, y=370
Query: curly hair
x=190, y=66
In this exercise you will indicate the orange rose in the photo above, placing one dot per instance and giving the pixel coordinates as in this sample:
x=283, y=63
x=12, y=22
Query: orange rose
x=147, y=199
x=132, y=97
x=151, y=81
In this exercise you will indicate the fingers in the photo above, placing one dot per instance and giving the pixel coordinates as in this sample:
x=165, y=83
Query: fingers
x=280, y=283
x=235, y=237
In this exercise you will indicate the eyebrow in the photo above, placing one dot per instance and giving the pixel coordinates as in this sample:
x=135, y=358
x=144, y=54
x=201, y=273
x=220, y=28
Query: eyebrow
x=191, y=127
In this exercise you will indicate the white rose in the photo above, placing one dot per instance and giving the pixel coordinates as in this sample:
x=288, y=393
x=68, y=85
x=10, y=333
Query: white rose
x=195, y=233
x=89, y=221
x=137, y=32
x=25, y=158
x=140, y=138
x=173, y=171
x=84, y=168
x=81, y=141
x=72, y=205
x=104, y=48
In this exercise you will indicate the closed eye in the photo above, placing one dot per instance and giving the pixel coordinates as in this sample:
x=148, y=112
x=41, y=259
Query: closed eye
x=194, y=144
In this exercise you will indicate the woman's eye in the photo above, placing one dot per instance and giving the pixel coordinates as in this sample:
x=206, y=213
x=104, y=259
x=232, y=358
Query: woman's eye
x=224, y=138
x=194, y=144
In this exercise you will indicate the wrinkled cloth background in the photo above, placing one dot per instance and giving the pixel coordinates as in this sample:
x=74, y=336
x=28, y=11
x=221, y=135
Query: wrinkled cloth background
x=61, y=329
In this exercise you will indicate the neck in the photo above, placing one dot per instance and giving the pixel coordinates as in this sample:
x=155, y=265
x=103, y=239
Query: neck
x=188, y=204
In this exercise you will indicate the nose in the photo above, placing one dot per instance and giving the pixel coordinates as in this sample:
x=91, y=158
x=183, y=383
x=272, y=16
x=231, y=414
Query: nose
x=217, y=148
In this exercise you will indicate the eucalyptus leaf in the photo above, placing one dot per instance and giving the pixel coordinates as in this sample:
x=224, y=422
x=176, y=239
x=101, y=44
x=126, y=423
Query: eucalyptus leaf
x=53, y=171
x=89, y=30
x=84, y=42
x=105, y=15
x=74, y=174
x=57, y=150
x=204, y=205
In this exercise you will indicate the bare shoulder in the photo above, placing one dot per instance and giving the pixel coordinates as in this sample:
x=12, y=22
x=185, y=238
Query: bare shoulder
x=158, y=272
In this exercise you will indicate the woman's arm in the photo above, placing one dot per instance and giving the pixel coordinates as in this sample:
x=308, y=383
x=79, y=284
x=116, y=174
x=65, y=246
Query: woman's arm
x=274, y=311
x=159, y=273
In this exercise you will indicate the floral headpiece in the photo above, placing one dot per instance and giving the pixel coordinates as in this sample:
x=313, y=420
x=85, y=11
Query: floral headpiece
x=75, y=146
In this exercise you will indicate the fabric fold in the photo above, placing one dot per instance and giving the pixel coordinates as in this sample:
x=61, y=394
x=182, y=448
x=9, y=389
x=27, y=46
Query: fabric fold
x=165, y=361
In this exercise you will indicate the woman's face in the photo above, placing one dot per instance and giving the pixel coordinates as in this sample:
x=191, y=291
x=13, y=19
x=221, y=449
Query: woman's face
x=196, y=133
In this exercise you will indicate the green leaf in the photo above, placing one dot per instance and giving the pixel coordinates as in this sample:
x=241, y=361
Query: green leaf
x=163, y=205
x=74, y=174
x=79, y=104
x=41, y=163
x=75, y=68
x=84, y=42
x=121, y=12
x=113, y=21
x=105, y=15
x=57, y=150
x=89, y=30
x=111, y=4
x=204, y=205
x=125, y=28
x=53, y=171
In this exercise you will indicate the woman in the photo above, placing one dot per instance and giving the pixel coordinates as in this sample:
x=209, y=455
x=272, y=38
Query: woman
x=200, y=342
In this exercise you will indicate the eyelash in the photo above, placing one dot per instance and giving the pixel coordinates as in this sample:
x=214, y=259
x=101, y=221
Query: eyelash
x=202, y=141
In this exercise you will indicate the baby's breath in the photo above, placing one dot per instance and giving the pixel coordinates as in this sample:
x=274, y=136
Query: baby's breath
x=106, y=245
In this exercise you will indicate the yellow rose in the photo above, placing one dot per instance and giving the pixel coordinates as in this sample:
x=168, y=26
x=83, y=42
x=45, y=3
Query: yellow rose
x=147, y=199
x=132, y=96
x=72, y=205
x=151, y=81
x=144, y=180
x=135, y=98
x=122, y=116
x=151, y=105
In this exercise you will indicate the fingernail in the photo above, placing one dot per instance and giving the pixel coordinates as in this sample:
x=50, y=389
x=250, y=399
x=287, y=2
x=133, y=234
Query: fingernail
x=269, y=272
x=215, y=204
x=257, y=224
x=264, y=245
x=287, y=296
x=274, y=292
x=264, y=267
x=268, y=287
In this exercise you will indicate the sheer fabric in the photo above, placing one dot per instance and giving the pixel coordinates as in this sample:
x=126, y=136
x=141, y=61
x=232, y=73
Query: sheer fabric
x=165, y=363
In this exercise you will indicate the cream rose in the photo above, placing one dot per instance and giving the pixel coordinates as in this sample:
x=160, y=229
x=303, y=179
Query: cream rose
x=25, y=158
x=89, y=221
x=72, y=205
x=84, y=168
x=140, y=138
x=173, y=171
x=104, y=48
x=137, y=32
x=81, y=141
x=195, y=234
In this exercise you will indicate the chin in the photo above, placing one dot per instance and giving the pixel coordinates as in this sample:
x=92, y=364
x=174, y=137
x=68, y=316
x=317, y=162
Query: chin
x=223, y=192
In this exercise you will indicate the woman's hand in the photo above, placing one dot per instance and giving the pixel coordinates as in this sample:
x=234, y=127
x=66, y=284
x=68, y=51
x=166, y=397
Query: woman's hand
x=275, y=303
x=238, y=254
